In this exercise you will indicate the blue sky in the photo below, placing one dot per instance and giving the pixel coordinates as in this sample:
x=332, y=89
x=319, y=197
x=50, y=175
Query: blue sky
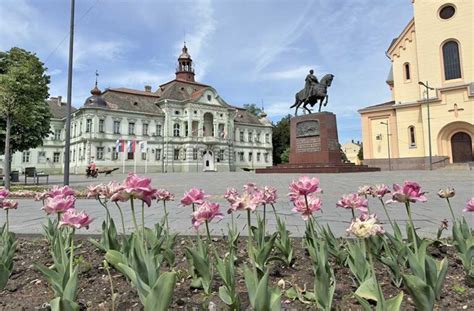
x=250, y=51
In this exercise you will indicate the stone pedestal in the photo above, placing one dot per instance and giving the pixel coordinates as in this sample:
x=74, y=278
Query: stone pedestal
x=313, y=139
x=314, y=148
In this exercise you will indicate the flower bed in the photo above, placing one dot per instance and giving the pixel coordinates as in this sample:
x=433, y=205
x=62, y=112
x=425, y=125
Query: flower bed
x=154, y=269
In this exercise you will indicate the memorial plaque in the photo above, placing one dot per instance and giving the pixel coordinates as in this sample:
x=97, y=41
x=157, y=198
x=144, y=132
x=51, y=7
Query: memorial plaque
x=307, y=128
x=308, y=144
x=333, y=145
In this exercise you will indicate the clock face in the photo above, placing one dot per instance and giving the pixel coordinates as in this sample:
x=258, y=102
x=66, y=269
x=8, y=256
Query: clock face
x=447, y=11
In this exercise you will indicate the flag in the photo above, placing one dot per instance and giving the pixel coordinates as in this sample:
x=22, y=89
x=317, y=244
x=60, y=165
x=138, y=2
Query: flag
x=131, y=145
x=143, y=146
x=120, y=145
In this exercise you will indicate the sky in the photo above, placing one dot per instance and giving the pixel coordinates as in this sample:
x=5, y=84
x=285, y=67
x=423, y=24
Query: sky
x=250, y=51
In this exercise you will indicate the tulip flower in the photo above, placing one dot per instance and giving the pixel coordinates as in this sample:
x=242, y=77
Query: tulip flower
x=95, y=191
x=365, y=226
x=193, y=196
x=9, y=204
x=58, y=204
x=165, y=195
x=246, y=201
x=364, y=190
x=448, y=193
x=231, y=195
x=410, y=192
x=72, y=218
x=303, y=186
x=379, y=191
x=353, y=201
x=269, y=195
x=469, y=206
x=133, y=187
x=307, y=205
x=4, y=193
x=206, y=212
x=60, y=191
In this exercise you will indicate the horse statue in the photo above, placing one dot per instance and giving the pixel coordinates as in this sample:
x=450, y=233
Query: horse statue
x=318, y=93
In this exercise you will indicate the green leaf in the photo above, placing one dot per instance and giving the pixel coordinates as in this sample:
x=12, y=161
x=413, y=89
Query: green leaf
x=4, y=275
x=275, y=299
x=70, y=289
x=224, y=295
x=251, y=283
x=368, y=290
x=161, y=293
x=393, y=304
x=442, y=270
x=364, y=303
x=58, y=304
x=262, y=299
x=203, y=268
x=422, y=294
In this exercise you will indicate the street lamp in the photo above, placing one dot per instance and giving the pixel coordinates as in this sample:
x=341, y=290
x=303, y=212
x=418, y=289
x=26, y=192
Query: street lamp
x=388, y=146
x=429, y=119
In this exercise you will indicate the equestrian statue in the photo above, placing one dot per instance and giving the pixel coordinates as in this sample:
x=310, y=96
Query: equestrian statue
x=313, y=92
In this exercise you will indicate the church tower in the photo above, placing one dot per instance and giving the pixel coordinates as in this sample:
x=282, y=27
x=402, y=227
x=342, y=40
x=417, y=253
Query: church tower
x=185, y=70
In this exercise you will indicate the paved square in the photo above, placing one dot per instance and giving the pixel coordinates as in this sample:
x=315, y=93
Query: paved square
x=427, y=216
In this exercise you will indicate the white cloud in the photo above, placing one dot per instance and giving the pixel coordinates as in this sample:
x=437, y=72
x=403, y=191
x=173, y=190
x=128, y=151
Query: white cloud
x=54, y=72
x=290, y=74
x=135, y=78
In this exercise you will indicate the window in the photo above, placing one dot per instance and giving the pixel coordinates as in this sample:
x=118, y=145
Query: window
x=144, y=156
x=406, y=69
x=411, y=136
x=56, y=156
x=242, y=136
x=145, y=129
x=250, y=136
x=115, y=155
x=447, y=11
x=241, y=156
x=131, y=128
x=265, y=156
x=186, y=129
x=74, y=130
x=116, y=127
x=100, y=153
x=220, y=155
x=176, y=130
x=257, y=137
x=101, y=125
x=195, y=153
x=57, y=134
x=176, y=154
x=74, y=155
x=25, y=157
x=258, y=156
x=80, y=127
x=88, y=125
x=158, y=130
x=41, y=156
x=79, y=154
x=451, y=61
x=267, y=138
x=130, y=155
x=250, y=156
x=176, y=112
x=157, y=154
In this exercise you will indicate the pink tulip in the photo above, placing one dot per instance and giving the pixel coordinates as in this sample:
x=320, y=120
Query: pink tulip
x=365, y=226
x=410, y=192
x=207, y=211
x=193, y=196
x=164, y=195
x=306, y=210
x=8, y=204
x=4, y=193
x=134, y=187
x=269, y=195
x=379, y=191
x=112, y=188
x=353, y=201
x=74, y=219
x=231, y=195
x=40, y=196
x=364, y=190
x=469, y=206
x=61, y=191
x=58, y=204
x=95, y=191
x=246, y=201
x=303, y=186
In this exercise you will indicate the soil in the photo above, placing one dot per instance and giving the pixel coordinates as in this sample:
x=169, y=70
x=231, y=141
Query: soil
x=27, y=289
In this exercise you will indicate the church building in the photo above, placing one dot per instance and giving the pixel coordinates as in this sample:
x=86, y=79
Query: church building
x=428, y=123
x=180, y=126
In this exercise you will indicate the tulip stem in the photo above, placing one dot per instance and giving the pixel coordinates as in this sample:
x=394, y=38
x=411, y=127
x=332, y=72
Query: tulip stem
x=413, y=233
x=121, y=218
x=166, y=216
x=264, y=222
x=207, y=231
x=143, y=216
x=194, y=209
x=249, y=239
x=8, y=225
x=133, y=215
x=274, y=211
x=353, y=214
x=450, y=208
x=71, y=254
x=386, y=213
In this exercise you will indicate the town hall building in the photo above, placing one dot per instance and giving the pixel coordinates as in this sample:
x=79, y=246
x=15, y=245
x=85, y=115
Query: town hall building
x=181, y=126
x=429, y=122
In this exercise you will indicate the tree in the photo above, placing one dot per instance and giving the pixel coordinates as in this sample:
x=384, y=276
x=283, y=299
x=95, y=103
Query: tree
x=253, y=109
x=24, y=113
x=360, y=154
x=281, y=139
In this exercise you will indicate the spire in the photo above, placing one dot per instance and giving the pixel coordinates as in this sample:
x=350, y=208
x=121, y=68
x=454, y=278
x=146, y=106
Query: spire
x=96, y=91
x=185, y=70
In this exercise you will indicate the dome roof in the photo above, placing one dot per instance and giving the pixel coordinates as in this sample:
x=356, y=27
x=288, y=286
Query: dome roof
x=96, y=99
x=184, y=54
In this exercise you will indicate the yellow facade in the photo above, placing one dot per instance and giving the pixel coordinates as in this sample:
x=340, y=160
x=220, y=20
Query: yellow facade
x=436, y=48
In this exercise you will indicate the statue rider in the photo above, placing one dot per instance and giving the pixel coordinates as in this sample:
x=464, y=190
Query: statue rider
x=310, y=82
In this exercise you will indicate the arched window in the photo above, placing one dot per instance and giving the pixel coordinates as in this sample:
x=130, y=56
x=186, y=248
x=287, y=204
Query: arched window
x=176, y=130
x=411, y=136
x=451, y=60
x=406, y=69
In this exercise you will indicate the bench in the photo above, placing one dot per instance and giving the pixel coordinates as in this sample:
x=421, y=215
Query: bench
x=30, y=172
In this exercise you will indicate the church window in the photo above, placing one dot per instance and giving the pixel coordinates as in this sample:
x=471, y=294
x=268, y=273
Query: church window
x=406, y=69
x=411, y=136
x=447, y=11
x=176, y=130
x=451, y=60
x=209, y=97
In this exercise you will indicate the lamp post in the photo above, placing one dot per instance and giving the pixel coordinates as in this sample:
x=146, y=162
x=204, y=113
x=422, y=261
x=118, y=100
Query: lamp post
x=428, y=88
x=388, y=146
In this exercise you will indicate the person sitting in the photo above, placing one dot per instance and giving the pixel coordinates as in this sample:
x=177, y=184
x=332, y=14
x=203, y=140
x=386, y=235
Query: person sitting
x=92, y=170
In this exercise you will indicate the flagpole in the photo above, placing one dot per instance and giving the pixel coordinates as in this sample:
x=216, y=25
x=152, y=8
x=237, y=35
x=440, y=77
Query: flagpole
x=134, y=149
x=123, y=156
x=146, y=160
